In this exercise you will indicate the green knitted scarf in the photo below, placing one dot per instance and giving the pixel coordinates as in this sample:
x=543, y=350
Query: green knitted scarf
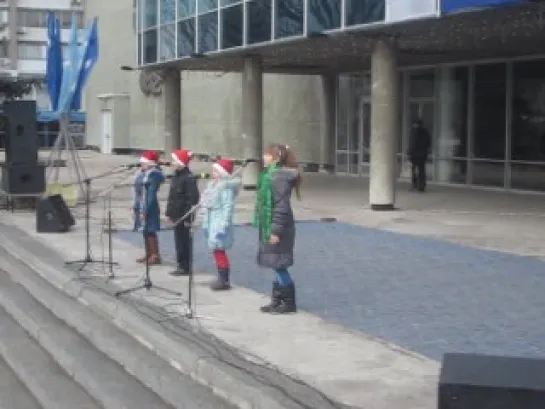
x=263, y=208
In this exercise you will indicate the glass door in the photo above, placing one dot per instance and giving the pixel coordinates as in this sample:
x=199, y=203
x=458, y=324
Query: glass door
x=364, y=135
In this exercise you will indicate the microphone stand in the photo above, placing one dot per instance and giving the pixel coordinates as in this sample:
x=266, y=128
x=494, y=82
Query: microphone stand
x=147, y=285
x=88, y=259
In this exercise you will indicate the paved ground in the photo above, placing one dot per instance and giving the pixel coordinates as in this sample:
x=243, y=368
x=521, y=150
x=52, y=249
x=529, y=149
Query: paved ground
x=417, y=277
x=426, y=295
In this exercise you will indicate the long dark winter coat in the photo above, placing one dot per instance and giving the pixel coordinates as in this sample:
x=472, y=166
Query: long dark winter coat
x=183, y=194
x=280, y=255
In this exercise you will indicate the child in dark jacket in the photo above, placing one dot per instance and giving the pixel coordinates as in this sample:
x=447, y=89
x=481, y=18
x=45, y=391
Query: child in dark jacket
x=182, y=196
x=276, y=224
x=138, y=192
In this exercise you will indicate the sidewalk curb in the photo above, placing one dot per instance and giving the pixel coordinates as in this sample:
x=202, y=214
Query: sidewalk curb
x=237, y=380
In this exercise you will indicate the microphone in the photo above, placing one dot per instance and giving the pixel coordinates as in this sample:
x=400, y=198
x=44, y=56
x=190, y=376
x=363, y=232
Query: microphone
x=194, y=176
x=138, y=165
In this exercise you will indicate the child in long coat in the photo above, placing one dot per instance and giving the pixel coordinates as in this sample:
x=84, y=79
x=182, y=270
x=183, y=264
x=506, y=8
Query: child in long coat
x=218, y=207
x=276, y=223
x=153, y=179
x=138, y=192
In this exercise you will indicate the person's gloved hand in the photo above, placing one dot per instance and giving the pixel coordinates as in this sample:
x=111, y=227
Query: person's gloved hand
x=221, y=236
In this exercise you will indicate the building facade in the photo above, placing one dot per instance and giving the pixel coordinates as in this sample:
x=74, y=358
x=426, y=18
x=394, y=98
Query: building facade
x=354, y=74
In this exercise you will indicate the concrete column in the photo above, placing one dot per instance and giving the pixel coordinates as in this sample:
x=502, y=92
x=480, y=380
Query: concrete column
x=384, y=127
x=329, y=93
x=252, y=120
x=172, y=94
x=12, y=39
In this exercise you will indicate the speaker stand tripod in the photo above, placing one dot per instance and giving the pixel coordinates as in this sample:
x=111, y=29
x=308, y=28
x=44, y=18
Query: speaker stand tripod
x=88, y=259
x=147, y=284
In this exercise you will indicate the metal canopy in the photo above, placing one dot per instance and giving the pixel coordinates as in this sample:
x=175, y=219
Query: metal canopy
x=492, y=33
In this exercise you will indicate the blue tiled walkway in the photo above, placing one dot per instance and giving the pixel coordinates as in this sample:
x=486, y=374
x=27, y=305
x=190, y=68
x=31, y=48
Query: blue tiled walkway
x=426, y=295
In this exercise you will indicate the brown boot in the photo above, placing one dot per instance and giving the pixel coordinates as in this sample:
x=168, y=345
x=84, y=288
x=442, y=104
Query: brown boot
x=154, y=257
x=147, y=250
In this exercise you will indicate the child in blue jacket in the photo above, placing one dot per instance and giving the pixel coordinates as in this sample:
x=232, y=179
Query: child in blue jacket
x=149, y=206
x=218, y=201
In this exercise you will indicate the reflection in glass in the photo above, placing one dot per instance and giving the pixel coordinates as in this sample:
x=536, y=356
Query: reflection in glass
x=168, y=11
x=186, y=37
x=289, y=18
x=207, y=5
x=229, y=2
x=150, y=46
x=364, y=11
x=259, y=21
x=208, y=32
x=489, y=123
x=451, y=140
x=528, y=176
x=231, y=26
x=167, y=44
x=186, y=8
x=150, y=13
x=323, y=15
x=528, y=129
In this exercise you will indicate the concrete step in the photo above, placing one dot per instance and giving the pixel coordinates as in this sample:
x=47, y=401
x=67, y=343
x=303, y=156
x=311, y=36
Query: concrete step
x=50, y=384
x=99, y=376
x=13, y=393
x=173, y=387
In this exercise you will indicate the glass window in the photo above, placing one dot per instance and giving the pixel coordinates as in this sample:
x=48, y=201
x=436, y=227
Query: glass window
x=31, y=51
x=150, y=46
x=231, y=26
x=229, y=2
x=208, y=32
x=489, y=122
x=168, y=11
x=167, y=44
x=323, y=15
x=186, y=8
x=139, y=50
x=259, y=21
x=186, y=37
x=364, y=11
x=150, y=16
x=343, y=111
x=207, y=5
x=422, y=84
x=528, y=125
x=289, y=18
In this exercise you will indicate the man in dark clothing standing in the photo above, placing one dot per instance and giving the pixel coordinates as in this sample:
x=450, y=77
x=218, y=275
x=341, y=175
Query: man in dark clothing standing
x=183, y=195
x=418, y=154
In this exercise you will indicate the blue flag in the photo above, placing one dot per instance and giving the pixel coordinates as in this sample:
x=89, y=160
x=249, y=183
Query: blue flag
x=70, y=71
x=54, y=60
x=89, y=57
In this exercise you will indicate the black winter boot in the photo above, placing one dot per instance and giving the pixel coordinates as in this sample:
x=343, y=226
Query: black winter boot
x=222, y=282
x=287, y=300
x=275, y=299
x=180, y=271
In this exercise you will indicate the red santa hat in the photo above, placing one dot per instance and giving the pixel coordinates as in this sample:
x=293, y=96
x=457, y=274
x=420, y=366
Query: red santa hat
x=182, y=157
x=224, y=167
x=150, y=157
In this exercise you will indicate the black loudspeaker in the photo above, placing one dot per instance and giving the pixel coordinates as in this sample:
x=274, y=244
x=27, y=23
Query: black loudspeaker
x=470, y=381
x=53, y=215
x=21, y=133
x=23, y=179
